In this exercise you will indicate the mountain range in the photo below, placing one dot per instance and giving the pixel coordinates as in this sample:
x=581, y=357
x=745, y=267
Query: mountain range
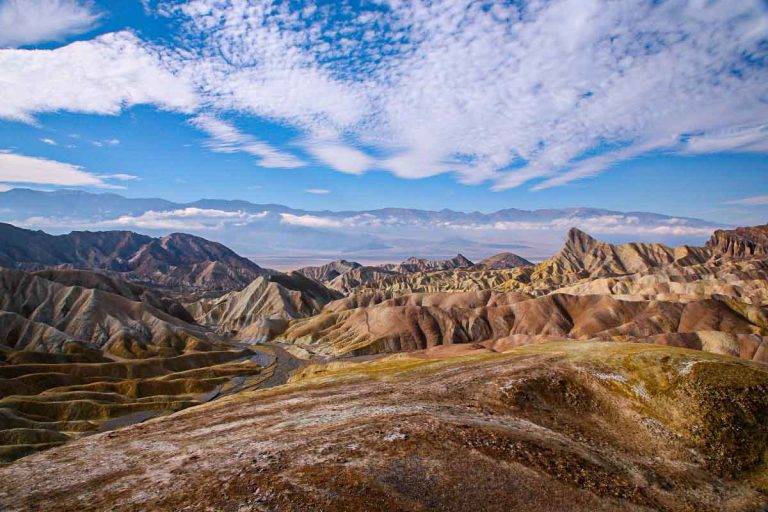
x=288, y=238
x=177, y=260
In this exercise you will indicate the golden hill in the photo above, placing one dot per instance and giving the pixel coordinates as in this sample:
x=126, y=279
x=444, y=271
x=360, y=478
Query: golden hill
x=568, y=426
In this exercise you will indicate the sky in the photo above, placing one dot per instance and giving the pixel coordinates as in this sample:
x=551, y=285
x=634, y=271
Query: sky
x=472, y=105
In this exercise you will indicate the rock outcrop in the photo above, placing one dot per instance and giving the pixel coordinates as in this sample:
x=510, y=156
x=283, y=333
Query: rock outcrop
x=360, y=276
x=740, y=243
x=414, y=264
x=583, y=256
x=112, y=284
x=81, y=351
x=732, y=262
x=330, y=271
x=96, y=318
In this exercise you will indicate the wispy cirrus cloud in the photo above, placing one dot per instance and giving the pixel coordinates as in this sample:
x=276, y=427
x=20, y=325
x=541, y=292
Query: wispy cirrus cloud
x=121, y=176
x=226, y=138
x=105, y=142
x=24, y=22
x=317, y=191
x=751, y=201
x=341, y=157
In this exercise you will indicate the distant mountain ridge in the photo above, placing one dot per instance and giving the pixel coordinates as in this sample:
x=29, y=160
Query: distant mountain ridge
x=73, y=203
x=177, y=260
x=293, y=237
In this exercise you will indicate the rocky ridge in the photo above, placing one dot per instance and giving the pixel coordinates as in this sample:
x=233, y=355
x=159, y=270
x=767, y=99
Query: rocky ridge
x=175, y=261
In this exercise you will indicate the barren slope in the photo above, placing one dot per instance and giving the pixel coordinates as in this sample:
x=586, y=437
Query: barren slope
x=329, y=271
x=424, y=320
x=75, y=359
x=97, y=318
x=279, y=297
x=574, y=426
x=503, y=260
x=732, y=263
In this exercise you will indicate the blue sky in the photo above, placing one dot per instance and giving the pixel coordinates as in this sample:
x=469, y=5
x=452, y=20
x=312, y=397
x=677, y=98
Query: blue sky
x=653, y=106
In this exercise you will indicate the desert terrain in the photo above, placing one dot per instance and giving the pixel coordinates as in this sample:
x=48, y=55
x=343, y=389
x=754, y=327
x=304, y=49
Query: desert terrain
x=142, y=373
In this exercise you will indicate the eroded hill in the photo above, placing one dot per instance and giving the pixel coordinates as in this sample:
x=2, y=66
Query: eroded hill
x=569, y=426
x=264, y=305
x=81, y=352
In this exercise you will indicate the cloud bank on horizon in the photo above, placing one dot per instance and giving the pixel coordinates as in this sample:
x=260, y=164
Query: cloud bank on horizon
x=535, y=93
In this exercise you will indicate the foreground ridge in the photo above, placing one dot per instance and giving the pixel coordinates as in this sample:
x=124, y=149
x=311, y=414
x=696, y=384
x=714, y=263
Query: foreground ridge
x=590, y=426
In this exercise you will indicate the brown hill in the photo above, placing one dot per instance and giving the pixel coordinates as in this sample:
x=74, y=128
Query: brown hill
x=414, y=264
x=81, y=351
x=583, y=427
x=176, y=260
x=281, y=296
x=746, y=280
x=113, y=284
x=583, y=256
x=732, y=263
x=328, y=272
x=357, y=277
x=421, y=321
x=93, y=317
x=740, y=243
x=447, y=281
x=503, y=260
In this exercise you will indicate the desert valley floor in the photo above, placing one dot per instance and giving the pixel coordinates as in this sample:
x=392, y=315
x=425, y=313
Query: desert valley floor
x=141, y=373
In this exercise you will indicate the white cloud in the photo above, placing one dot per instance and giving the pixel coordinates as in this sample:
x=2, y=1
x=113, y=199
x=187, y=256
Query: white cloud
x=226, y=138
x=545, y=91
x=105, y=142
x=100, y=76
x=120, y=176
x=27, y=169
x=184, y=219
x=605, y=224
x=609, y=223
x=341, y=157
x=750, y=138
x=513, y=93
x=317, y=191
x=48, y=141
x=751, y=201
x=309, y=221
x=24, y=22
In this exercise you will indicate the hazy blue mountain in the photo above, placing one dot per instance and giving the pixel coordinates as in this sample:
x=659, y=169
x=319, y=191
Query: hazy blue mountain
x=277, y=235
